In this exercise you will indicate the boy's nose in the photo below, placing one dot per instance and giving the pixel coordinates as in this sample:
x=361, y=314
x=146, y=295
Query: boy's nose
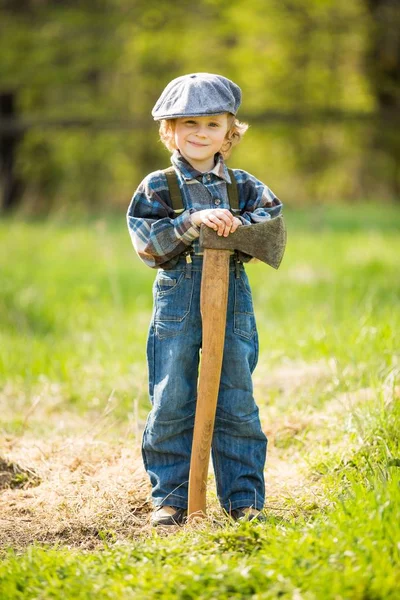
x=201, y=131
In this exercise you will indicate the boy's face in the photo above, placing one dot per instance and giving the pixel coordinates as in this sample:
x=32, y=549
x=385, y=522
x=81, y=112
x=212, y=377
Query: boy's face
x=199, y=138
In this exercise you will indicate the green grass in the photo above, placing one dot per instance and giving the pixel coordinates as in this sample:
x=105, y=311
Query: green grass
x=75, y=304
x=352, y=551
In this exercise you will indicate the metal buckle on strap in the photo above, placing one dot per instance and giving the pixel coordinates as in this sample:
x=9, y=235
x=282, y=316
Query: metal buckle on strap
x=237, y=264
x=188, y=269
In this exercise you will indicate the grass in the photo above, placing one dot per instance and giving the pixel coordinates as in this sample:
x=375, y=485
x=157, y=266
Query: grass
x=74, y=310
x=323, y=557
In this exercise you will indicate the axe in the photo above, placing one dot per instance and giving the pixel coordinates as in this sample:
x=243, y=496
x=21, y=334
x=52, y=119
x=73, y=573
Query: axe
x=265, y=241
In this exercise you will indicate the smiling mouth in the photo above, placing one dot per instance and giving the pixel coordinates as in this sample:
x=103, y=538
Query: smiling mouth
x=199, y=145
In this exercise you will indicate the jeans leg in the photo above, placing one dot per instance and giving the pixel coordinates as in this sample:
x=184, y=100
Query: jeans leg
x=239, y=444
x=173, y=359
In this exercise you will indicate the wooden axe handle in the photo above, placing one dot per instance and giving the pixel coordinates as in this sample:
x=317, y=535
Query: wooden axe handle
x=213, y=303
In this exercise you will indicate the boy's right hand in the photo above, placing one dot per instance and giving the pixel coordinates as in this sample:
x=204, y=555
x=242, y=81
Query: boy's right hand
x=219, y=219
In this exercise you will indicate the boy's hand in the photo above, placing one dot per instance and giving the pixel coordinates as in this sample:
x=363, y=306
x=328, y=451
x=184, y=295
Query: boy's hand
x=219, y=219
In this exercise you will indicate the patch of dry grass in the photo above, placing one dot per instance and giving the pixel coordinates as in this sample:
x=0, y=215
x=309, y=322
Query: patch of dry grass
x=13, y=476
x=90, y=491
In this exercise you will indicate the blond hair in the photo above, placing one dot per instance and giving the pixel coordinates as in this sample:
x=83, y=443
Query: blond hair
x=236, y=130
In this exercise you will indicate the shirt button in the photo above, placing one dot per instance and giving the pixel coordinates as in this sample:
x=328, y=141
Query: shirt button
x=217, y=201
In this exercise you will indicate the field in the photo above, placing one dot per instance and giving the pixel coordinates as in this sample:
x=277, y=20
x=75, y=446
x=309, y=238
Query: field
x=75, y=304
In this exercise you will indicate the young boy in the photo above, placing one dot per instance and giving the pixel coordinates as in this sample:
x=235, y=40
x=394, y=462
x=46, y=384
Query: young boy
x=198, y=125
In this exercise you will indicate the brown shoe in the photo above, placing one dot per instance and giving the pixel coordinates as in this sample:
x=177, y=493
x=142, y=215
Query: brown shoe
x=168, y=515
x=248, y=513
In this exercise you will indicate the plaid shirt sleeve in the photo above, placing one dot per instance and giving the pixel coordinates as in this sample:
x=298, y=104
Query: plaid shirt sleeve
x=257, y=202
x=156, y=236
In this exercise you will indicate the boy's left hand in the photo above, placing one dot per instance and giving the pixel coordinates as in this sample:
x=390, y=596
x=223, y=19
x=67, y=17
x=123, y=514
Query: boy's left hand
x=227, y=228
x=235, y=224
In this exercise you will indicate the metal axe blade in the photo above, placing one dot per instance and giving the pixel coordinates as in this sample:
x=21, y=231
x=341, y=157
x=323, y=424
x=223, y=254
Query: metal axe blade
x=265, y=241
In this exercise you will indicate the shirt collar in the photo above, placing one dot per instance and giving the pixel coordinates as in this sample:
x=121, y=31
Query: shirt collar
x=189, y=172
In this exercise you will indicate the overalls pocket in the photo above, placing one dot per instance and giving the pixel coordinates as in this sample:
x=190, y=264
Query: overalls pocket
x=173, y=297
x=244, y=320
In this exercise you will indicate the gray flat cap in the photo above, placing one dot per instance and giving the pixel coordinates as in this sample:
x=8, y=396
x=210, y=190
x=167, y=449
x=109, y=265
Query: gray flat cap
x=197, y=94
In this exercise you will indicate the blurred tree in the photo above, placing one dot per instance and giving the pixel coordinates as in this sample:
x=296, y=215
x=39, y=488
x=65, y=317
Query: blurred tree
x=383, y=68
x=9, y=139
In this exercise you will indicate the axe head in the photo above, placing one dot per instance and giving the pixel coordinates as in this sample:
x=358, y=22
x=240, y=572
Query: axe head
x=265, y=241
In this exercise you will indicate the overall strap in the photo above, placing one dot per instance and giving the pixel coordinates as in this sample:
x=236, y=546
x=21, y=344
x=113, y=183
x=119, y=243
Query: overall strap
x=176, y=194
x=174, y=190
x=233, y=194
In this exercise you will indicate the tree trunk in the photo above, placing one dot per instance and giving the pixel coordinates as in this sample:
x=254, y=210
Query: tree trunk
x=383, y=69
x=9, y=139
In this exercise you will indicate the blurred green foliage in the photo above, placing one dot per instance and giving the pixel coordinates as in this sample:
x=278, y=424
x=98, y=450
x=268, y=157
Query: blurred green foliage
x=101, y=66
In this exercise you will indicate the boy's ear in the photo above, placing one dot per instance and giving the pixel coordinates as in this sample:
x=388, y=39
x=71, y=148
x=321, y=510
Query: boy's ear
x=167, y=133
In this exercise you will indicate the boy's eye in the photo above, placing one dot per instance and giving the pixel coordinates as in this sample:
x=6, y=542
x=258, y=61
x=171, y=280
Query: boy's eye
x=213, y=124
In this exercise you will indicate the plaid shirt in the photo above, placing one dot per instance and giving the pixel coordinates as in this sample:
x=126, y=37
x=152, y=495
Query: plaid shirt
x=159, y=239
